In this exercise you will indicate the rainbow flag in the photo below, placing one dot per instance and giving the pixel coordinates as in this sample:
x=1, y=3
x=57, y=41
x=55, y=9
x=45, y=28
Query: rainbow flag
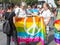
x=31, y=29
x=56, y=32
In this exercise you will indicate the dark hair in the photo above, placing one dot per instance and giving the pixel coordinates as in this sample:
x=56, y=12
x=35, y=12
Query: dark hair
x=12, y=5
x=35, y=5
x=9, y=6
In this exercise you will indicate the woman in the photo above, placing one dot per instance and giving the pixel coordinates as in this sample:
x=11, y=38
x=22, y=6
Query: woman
x=46, y=13
x=35, y=10
x=13, y=31
x=29, y=10
x=22, y=11
x=57, y=27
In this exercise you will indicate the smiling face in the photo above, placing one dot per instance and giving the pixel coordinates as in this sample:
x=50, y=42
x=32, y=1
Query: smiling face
x=45, y=6
x=58, y=3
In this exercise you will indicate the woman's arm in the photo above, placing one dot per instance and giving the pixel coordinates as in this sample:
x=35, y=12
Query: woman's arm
x=14, y=19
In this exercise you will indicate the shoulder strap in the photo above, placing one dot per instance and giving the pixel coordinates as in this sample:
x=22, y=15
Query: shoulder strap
x=9, y=15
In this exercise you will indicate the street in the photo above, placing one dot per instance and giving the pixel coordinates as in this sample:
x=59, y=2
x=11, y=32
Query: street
x=3, y=37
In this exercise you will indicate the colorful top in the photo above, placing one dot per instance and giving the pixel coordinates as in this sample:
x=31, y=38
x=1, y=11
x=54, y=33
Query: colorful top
x=56, y=25
x=35, y=11
x=56, y=32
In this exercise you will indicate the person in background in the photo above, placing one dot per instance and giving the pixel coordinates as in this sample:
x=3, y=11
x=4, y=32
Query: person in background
x=16, y=9
x=29, y=10
x=22, y=11
x=40, y=9
x=46, y=13
x=13, y=31
x=57, y=30
x=35, y=10
x=54, y=11
x=0, y=14
x=2, y=11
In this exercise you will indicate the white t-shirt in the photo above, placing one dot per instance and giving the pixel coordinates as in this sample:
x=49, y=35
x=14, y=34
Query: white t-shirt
x=16, y=10
x=22, y=13
x=46, y=14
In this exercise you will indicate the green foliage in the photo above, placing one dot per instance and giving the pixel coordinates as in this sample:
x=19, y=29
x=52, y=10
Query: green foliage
x=31, y=2
x=5, y=1
x=11, y=1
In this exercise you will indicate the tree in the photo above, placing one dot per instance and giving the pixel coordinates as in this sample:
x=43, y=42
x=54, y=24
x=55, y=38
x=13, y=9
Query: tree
x=31, y=2
x=11, y=1
x=5, y=1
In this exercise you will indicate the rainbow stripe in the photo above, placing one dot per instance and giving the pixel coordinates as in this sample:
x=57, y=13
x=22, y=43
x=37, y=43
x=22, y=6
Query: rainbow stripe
x=35, y=33
x=56, y=32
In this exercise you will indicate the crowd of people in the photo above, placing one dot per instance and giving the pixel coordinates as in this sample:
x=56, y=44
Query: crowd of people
x=49, y=14
x=45, y=11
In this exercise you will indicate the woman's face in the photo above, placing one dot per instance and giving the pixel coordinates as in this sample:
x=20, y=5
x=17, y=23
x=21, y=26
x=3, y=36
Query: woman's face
x=29, y=7
x=58, y=2
x=45, y=6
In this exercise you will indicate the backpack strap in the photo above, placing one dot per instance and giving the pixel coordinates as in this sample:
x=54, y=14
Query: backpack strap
x=9, y=15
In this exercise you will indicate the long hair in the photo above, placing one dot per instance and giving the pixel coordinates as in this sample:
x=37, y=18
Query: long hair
x=48, y=6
